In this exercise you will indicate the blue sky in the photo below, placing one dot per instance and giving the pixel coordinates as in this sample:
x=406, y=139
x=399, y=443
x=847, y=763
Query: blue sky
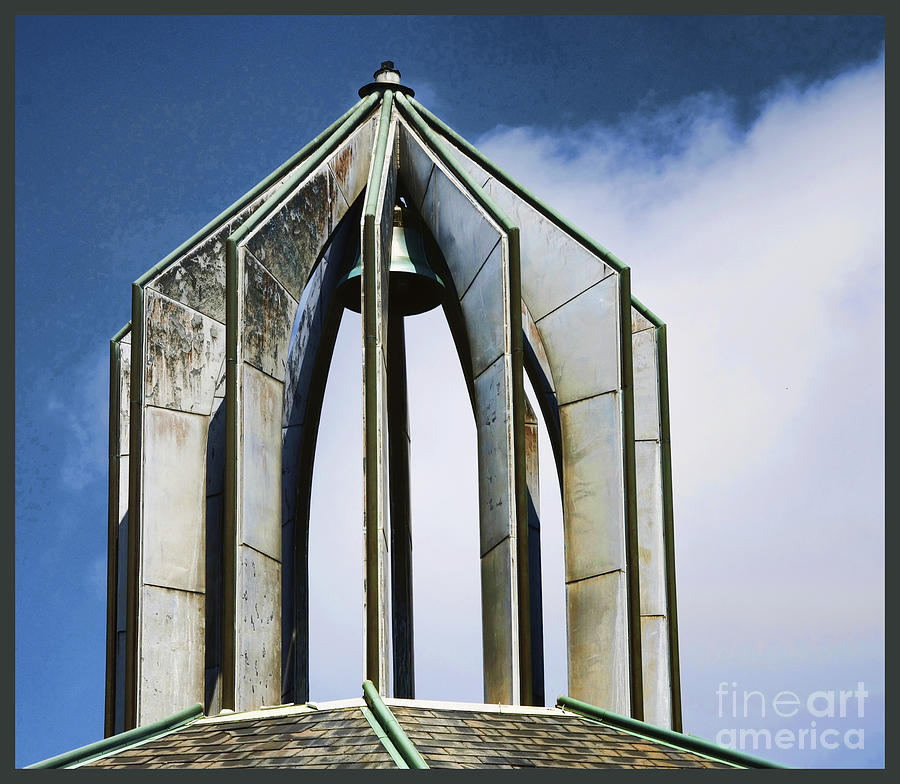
x=735, y=163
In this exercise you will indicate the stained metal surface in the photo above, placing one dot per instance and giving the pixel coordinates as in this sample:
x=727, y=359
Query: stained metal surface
x=498, y=617
x=184, y=354
x=258, y=630
x=650, y=528
x=483, y=308
x=493, y=428
x=415, y=165
x=655, y=658
x=593, y=502
x=261, y=462
x=582, y=342
x=172, y=636
x=646, y=385
x=639, y=322
x=268, y=313
x=290, y=241
x=174, y=499
x=598, y=641
x=350, y=164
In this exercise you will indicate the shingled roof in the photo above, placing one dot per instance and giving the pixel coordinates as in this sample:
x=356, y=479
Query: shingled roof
x=394, y=733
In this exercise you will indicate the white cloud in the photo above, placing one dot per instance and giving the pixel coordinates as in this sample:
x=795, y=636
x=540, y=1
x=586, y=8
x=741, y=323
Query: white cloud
x=763, y=250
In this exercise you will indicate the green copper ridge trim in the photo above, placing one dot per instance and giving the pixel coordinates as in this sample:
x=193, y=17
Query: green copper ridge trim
x=118, y=742
x=392, y=728
x=122, y=333
x=680, y=741
x=385, y=740
x=648, y=314
x=370, y=393
x=259, y=188
x=517, y=351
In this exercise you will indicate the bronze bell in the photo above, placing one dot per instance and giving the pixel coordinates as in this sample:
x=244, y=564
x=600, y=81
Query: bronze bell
x=414, y=286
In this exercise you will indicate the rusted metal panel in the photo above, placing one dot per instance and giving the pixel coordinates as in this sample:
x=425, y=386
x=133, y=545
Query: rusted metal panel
x=646, y=385
x=350, y=164
x=598, y=641
x=484, y=310
x=593, y=497
x=124, y=401
x=554, y=266
x=639, y=322
x=288, y=244
x=184, y=353
x=197, y=279
x=268, y=317
x=171, y=653
x=493, y=427
x=261, y=462
x=655, y=663
x=258, y=630
x=173, y=535
x=582, y=342
x=650, y=528
x=497, y=619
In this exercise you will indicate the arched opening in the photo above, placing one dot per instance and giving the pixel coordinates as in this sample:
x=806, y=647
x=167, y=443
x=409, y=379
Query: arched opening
x=444, y=503
x=335, y=528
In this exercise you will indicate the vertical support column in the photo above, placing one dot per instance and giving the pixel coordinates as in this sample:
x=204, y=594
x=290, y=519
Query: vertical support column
x=176, y=356
x=117, y=536
x=532, y=479
x=377, y=230
x=654, y=522
x=401, y=528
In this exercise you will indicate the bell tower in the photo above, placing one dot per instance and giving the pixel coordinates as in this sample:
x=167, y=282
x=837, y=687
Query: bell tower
x=216, y=393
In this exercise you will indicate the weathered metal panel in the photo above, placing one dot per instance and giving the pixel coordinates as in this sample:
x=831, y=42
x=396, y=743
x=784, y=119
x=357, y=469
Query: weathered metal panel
x=465, y=235
x=290, y=241
x=648, y=480
x=415, y=166
x=639, y=322
x=350, y=164
x=655, y=662
x=554, y=266
x=259, y=632
x=594, y=496
x=485, y=312
x=308, y=320
x=582, y=342
x=171, y=653
x=261, y=462
x=497, y=619
x=173, y=535
x=198, y=278
x=268, y=317
x=646, y=385
x=184, y=354
x=493, y=426
x=124, y=401
x=598, y=641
